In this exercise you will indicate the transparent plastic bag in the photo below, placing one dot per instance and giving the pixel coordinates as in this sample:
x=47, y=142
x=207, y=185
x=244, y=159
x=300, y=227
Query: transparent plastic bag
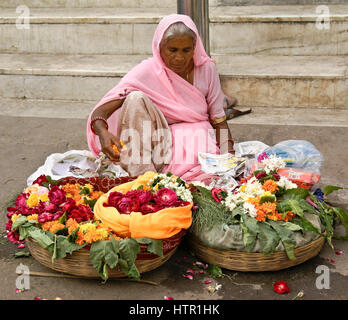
x=298, y=154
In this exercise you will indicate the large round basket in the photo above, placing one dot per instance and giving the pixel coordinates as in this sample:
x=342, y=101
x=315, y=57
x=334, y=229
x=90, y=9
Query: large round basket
x=253, y=262
x=79, y=264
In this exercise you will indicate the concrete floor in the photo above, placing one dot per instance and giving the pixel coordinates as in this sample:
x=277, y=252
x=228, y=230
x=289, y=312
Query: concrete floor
x=26, y=142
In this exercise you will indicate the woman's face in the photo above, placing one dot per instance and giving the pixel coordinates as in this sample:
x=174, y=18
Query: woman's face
x=177, y=54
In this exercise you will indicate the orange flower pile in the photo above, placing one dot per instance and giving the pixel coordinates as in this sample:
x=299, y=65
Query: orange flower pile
x=52, y=226
x=270, y=185
x=269, y=210
x=73, y=191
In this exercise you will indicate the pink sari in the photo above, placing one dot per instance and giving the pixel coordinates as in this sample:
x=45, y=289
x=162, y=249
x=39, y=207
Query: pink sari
x=184, y=106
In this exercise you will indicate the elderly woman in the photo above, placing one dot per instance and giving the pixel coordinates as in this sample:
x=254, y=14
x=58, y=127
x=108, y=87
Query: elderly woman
x=165, y=109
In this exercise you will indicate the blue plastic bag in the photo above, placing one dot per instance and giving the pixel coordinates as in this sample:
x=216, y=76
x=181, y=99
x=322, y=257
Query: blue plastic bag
x=299, y=154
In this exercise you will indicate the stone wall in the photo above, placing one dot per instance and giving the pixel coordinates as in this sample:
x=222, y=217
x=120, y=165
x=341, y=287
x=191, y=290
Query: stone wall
x=277, y=2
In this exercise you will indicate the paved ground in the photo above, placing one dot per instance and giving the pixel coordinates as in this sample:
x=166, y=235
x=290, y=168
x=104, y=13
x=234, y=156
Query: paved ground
x=26, y=142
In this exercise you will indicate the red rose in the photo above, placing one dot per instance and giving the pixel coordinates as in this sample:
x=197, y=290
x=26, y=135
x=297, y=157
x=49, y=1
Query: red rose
x=11, y=211
x=216, y=194
x=56, y=195
x=165, y=197
x=150, y=208
x=81, y=213
x=281, y=287
x=68, y=205
x=133, y=194
x=128, y=205
x=51, y=208
x=9, y=225
x=40, y=180
x=181, y=203
x=113, y=198
x=58, y=214
x=45, y=217
x=145, y=197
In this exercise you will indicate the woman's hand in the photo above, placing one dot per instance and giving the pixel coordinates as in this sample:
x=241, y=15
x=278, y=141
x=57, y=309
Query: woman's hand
x=107, y=140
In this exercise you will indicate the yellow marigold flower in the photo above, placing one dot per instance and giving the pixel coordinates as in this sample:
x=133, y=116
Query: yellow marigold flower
x=33, y=200
x=87, y=227
x=242, y=188
x=89, y=187
x=102, y=234
x=43, y=197
x=33, y=217
x=267, y=194
x=15, y=217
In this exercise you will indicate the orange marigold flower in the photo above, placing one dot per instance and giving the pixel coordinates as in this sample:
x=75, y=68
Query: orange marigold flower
x=116, y=237
x=270, y=185
x=268, y=207
x=47, y=225
x=56, y=226
x=72, y=225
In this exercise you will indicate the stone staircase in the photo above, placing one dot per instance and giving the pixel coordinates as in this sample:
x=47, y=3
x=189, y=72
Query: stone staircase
x=269, y=57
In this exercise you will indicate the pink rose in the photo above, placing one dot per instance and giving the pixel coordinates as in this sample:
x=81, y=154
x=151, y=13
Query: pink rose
x=45, y=217
x=165, y=197
x=145, y=197
x=68, y=205
x=260, y=175
x=128, y=205
x=216, y=194
x=21, y=200
x=56, y=195
x=58, y=214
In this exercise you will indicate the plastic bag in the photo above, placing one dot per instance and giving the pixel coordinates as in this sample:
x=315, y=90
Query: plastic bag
x=76, y=163
x=249, y=148
x=298, y=154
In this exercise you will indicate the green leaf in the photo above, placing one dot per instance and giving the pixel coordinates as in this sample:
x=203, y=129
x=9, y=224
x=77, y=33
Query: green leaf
x=21, y=254
x=286, y=238
x=24, y=231
x=250, y=230
x=267, y=199
x=144, y=240
x=269, y=239
x=343, y=217
x=128, y=250
x=62, y=232
x=329, y=189
x=290, y=226
x=308, y=226
x=21, y=220
x=295, y=207
x=155, y=247
x=63, y=247
x=41, y=238
x=102, y=253
x=295, y=194
x=63, y=218
x=215, y=271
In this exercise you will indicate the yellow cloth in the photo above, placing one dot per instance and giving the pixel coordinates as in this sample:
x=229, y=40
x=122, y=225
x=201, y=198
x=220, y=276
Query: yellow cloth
x=158, y=225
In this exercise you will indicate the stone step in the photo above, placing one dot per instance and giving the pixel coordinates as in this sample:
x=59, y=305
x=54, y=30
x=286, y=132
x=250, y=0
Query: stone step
x=264, y=30
x=88, y=3
x=278, y=2
x=257, y=81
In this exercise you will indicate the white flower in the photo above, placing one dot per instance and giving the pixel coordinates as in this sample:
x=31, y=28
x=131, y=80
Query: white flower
x=253, y=187
x=286, y=183
x=250, y=209
x=201, y=184
x=273, y=163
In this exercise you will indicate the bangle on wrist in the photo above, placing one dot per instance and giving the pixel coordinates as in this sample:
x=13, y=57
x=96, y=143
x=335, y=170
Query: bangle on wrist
x=96, y=119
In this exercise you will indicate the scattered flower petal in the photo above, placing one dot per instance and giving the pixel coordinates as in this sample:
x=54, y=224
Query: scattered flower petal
x=299, y=295
x=201, y=271
x=211, y=289
x=168, y=298
x=339, y=252
x=281, y=287
x=188, y=276
x=207, y=282
x=332, y=261
x=21, y=246
x=190, y=271
x=37, y=298
x=218, y=287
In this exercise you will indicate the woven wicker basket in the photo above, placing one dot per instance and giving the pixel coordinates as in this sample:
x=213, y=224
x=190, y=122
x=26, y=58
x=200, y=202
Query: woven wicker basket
x=79, y=263
x=253, y=262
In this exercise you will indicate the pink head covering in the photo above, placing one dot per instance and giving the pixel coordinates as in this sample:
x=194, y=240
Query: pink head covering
x=167, y=90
